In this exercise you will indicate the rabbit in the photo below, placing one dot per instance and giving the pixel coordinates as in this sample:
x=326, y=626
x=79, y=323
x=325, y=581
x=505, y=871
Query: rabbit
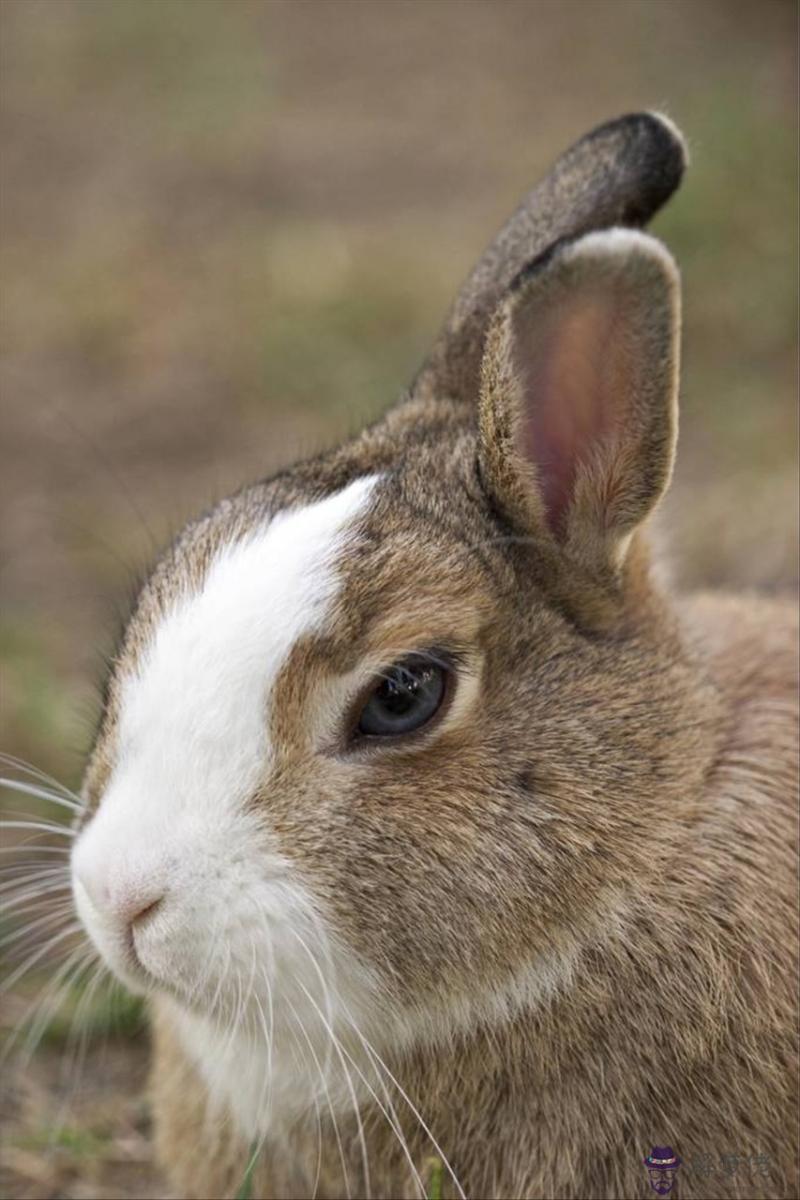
x=454, y=853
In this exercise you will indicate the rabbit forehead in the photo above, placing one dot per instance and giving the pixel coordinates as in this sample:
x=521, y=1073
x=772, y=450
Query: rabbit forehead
x=195, y=705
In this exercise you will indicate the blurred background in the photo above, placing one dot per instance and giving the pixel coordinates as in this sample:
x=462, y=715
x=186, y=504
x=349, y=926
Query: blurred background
x=229, y=231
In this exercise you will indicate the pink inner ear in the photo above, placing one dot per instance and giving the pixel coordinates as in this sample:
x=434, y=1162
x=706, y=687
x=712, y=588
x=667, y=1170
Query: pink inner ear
x=573, y=393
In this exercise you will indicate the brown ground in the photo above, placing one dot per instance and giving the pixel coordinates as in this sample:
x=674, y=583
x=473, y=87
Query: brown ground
x=229, y=230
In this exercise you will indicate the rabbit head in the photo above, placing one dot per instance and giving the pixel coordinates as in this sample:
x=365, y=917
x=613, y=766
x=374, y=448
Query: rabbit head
x=387, y=734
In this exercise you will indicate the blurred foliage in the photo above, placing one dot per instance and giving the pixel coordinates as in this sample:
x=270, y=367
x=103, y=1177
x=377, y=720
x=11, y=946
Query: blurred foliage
x=106, y=1011
x=80, y=1143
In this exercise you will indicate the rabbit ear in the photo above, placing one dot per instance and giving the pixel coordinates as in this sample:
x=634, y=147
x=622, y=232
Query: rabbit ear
x=578, y=409
x=619, y=174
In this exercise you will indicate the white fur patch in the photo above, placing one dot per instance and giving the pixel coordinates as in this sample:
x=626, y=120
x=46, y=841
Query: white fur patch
x=197, y=707
x=194, y=744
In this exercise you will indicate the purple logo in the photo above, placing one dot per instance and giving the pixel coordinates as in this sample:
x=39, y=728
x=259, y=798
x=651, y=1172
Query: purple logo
x=662, y=1163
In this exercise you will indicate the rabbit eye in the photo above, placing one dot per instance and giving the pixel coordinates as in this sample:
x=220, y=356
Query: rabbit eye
x=408, y=695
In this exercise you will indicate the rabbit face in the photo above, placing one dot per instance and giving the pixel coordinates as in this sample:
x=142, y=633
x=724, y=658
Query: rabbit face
x=246, y=840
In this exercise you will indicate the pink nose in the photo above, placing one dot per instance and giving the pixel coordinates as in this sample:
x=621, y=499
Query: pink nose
x=126, y=903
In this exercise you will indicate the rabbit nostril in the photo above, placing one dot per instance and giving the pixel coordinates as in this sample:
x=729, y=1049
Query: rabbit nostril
x=145, y=911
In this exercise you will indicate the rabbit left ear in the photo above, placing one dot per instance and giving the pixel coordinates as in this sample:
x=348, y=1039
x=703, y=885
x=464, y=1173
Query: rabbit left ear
x=578, y=409
x=618, y=174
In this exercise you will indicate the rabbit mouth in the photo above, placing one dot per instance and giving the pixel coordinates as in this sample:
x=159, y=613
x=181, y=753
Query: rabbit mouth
x=116, y=943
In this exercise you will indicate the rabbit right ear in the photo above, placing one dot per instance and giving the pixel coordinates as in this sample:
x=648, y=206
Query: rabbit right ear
x=619, y=174
x=578, y=410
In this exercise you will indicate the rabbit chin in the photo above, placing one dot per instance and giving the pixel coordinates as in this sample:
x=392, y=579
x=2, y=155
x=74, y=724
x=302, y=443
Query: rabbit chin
x=294, y=1053
x=276, y=1014
x=290, y=1021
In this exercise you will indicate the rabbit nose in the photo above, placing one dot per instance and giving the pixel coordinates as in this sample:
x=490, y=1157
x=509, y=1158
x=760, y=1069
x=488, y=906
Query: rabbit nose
x=138, y=910
x=126, y=903
x=147, y=911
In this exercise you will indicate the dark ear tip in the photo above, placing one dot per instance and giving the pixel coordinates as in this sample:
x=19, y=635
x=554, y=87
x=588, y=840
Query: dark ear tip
x=670, y=136
x=652, y=148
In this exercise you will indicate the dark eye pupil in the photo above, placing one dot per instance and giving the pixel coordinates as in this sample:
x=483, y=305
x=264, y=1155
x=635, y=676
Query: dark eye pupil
x=406, y=698
x=399, y=693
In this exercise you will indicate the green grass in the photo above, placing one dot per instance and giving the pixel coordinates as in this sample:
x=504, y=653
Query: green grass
x=435, y=1178
x=246, y=1186
x=84, y=1013
x=111, y=1012
x=78, y=1143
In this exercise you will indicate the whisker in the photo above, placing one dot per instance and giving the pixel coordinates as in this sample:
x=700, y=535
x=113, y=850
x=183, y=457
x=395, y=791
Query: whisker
x=374, y=1056
x=31, y=893
x=50, y=1000
x=236, y=1016
x=222, y=976
x=203, y=977
x=28, y=789
x=62, y=830
x=373, y=1053
x=393, y=1125
x=48, y=918
x=34, y=845
x=266, y=1090
x=74, y=1059
x=326, y=1089
x=271, y=1038
x=23, y=876
x=71, y=929
x=318, y=1171
x=341, y=1052
x=20, y=764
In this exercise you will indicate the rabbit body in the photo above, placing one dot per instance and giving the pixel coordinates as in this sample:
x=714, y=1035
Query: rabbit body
x=676, y=1019
x=554, y=926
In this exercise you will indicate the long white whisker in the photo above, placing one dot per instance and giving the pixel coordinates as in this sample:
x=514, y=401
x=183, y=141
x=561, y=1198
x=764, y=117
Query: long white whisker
x=28, y=789
x=271, y=1037
x=341, y=1050
x=24, y=877
x=51, y=999
x=70, y=929
x=267, y=1087
x=223, y=975
x=318, y=1171
x=78, y=1034
x=393, y=1119
x=19, y=764
x=326, y=1089
x=31, y=844
x=392, y=1116
x=237, y=1014
x=31, y=897
x=61, y=830
x=48, y=918
x=76, y=1027
x=29, y=1016
x=376, y=1058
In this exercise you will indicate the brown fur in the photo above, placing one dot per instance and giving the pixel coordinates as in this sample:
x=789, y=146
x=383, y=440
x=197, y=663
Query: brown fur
x=616, y=804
